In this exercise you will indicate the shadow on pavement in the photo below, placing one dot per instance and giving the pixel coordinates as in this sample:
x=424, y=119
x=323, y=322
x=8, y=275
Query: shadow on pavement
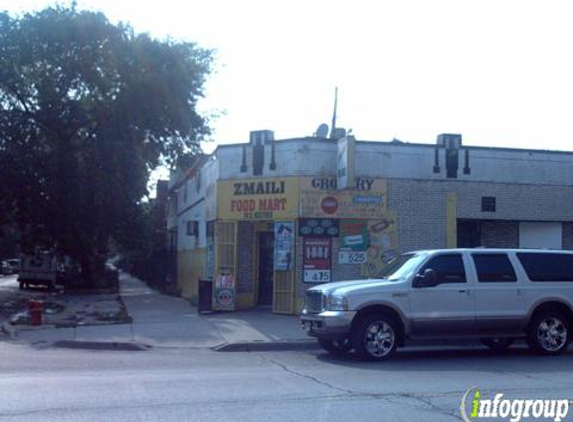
x=514, y=359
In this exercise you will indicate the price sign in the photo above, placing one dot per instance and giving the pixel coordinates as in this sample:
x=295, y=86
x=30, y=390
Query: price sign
x=317, y=260
x=317, y=276
x=351, y=257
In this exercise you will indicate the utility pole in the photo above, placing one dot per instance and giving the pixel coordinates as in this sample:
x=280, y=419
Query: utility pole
x=333, y=128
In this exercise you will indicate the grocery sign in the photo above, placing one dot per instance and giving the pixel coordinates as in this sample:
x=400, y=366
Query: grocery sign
x=320, y=198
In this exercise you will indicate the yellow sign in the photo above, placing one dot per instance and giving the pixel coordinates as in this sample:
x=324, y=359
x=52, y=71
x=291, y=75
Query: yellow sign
x=319, y=198
x=257, y=199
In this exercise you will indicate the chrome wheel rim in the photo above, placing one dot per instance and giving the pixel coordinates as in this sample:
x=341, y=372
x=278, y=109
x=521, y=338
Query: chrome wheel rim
x=552, y=334
x=379, y=339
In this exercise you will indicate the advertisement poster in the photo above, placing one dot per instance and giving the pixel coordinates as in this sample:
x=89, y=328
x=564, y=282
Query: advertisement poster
x=317, y=261
x=383, y=247
x=225, y=292
x=318, y=227
x=353, y=235
x=284, y=245
x=353, y=242
x=345, y=162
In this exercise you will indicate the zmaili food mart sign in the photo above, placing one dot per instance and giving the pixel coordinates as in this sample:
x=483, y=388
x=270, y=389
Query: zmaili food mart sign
x=292, y=197
x=258, y=199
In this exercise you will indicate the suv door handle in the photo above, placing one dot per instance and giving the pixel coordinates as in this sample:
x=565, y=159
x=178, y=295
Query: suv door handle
x=463, y=291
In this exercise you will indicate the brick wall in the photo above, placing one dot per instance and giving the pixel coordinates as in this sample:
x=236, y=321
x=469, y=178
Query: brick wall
x=568, y=235
x=421, y=207
x=500, y=234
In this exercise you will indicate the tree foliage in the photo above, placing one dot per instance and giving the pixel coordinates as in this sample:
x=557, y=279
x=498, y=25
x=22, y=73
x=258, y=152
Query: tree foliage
x=87, y=110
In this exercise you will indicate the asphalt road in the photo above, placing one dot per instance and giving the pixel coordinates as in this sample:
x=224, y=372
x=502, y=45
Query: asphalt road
x=9, y=282
x=202, y=385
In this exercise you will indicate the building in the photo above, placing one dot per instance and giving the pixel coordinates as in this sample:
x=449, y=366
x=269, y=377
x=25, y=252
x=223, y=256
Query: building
x=267, y=219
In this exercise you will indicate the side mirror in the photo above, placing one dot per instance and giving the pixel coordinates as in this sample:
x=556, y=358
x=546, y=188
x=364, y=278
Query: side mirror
x=428, y=279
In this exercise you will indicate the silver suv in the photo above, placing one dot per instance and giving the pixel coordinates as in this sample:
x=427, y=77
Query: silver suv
x=496, y=295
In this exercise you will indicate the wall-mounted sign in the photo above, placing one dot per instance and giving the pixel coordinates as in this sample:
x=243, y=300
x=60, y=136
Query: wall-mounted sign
x=383, y=245
x=225, y=292
x=353, y=235
x=318, y=227
x=317, y=260
x=257, y=199
x=284, y=245
x=319, y=198
x=345, y=162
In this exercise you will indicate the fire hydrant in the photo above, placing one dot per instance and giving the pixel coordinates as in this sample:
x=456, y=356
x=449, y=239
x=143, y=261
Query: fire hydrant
x=36, y=308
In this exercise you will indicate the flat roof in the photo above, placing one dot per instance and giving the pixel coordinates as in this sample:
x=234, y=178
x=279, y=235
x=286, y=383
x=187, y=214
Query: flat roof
x=403, y=144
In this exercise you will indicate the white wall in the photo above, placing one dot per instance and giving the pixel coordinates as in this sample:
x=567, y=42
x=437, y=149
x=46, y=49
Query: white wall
x=200, y=199
x=311, y=156
x=486, y=164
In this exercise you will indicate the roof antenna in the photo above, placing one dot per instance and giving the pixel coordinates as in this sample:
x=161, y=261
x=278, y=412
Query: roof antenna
x=333, y=128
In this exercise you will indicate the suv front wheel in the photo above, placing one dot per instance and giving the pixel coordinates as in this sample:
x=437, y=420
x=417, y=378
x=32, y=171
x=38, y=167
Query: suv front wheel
x=548, y=333
x=375, y=337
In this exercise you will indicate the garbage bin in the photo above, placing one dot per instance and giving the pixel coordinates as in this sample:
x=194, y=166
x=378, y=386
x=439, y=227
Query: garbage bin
x=205, y=295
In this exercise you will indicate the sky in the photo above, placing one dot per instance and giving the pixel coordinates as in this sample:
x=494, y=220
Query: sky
x=499, y=72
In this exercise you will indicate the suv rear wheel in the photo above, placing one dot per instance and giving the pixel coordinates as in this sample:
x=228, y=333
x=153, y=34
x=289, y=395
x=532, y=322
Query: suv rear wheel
x=375, y=337
x=336, y=347
x=548, y=333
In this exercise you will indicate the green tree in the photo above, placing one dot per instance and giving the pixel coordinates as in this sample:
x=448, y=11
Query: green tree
x=87, y=110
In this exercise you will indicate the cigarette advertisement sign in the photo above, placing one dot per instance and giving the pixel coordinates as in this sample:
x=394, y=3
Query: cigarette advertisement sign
x=224, y=292
x=319, y=198
x=318, y=227
x=353, y=235
x=317, y=259
x=284, y=245
x=353, y=241
x=258, y=199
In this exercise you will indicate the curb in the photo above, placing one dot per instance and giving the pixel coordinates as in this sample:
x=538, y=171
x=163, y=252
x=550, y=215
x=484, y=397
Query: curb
x=267, y=346
x=9, y=330
x=101, y=345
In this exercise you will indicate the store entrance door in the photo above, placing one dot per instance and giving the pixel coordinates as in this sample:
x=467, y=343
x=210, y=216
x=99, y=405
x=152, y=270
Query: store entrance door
x=266, y=267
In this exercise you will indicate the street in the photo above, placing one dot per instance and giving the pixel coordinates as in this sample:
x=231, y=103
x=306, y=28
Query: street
x=203, y=385
x=9, y=296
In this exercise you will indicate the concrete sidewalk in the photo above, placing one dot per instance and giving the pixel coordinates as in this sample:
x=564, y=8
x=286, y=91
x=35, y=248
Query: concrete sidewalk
x=162, y=321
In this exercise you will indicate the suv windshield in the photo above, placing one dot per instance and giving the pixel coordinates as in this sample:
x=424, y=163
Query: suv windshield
x=402, y=266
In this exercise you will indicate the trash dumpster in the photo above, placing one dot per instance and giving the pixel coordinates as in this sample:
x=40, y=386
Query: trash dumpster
x=205, y=295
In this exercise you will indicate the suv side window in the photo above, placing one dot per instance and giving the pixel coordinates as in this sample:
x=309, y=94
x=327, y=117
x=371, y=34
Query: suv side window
x=547, y=266
x=449, y=268
x=494, y=268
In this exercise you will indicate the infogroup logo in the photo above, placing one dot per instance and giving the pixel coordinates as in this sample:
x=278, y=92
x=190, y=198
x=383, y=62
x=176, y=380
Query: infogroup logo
x=474, y=407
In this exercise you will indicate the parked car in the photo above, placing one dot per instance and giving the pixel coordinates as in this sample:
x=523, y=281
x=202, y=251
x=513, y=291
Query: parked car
x=40, y=268
x=496, y=295
x=5, y=268
x=14, y=265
